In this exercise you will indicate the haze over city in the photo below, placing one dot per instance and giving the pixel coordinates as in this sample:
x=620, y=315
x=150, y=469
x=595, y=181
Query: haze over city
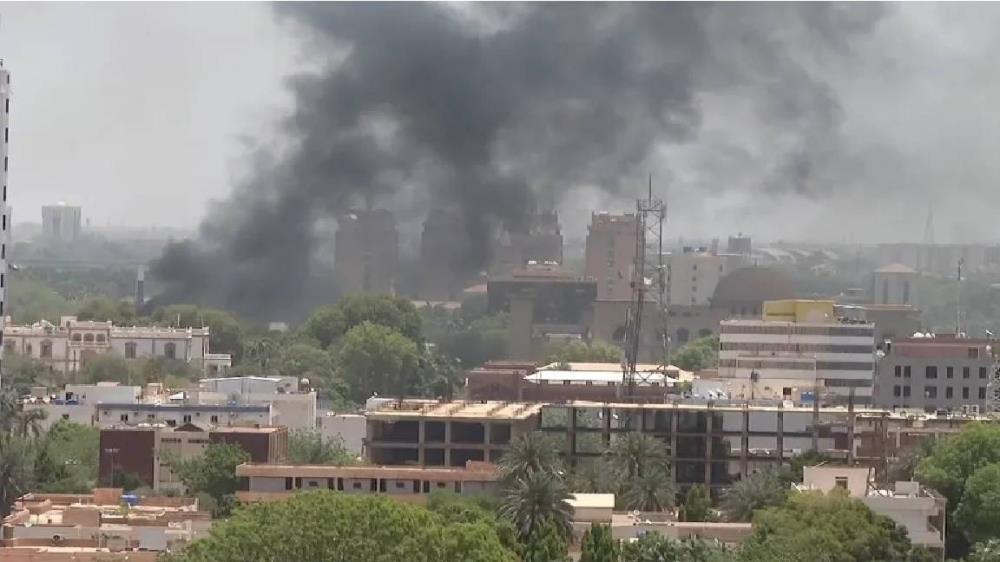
x=809, y=113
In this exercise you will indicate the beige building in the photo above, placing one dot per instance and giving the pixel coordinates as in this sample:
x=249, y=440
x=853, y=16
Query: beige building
x=693, y=274
x=407, y=483
x=920, y=510
x=610, y=254
x=67, y=347
x=290, y=407
x=98, y=521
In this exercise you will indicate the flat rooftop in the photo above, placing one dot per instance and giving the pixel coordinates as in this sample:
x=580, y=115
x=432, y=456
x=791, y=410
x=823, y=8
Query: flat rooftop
x=456, y=410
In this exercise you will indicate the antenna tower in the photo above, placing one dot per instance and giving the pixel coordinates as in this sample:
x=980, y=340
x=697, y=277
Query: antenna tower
x=648, y=285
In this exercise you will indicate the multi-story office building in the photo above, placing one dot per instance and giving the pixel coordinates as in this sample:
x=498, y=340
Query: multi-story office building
x=66, y=347
x=610, y=255
x=61, y=222
x=796, y=349
x=895, y=284
x=935, y=373
x=693, y=274
x=4, y=218
x=366, y=252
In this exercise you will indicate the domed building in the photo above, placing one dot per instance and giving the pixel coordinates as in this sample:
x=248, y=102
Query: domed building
x=743, y=292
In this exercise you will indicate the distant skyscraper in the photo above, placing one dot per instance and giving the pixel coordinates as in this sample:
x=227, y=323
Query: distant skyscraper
x=366, y=252
x=4, y=219
x=611, y=241
x=61, y=222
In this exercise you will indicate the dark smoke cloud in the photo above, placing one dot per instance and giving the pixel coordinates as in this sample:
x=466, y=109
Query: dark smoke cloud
x=491, y=111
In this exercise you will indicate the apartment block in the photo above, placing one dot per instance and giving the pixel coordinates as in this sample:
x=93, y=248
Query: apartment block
x=935, y=373
x=407, y=483
x=447, y=434
x=798, y=348
x=610, y=254
x=290, y=407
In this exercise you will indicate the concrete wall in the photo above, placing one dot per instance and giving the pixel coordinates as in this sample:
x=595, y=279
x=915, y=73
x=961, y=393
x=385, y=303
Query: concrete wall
x=349, y=428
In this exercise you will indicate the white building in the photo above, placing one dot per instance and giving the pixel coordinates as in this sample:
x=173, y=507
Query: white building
x=921, y=511
x=693, y=274
x=177, y=414
x=66, y=347
x=290, y=407
x=78, y=402
x=349, y=429
x=4, y=218
x=808, y=349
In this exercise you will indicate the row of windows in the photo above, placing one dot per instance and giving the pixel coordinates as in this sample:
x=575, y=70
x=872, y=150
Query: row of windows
x=931, y=372
x=795, y=347
x=372, y=484
x=797, y=365
x=865, y=330
x=186, y=418
x=932, y=392
x=45, y=351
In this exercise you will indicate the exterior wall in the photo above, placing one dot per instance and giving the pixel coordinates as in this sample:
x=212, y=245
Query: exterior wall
x=366, y=252
x=349, y=428
x=692, y=277
x=264, y=446
x=610, y=254
x=294, y=411
x=179, y=414
x=934, y=374
x=61, y=222
x=896, y=287
x=128, y=451
x=82, y=414
x=824, y=478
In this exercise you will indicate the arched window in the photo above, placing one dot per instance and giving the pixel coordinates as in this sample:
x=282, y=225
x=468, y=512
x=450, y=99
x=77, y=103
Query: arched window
x=170, y=351
x=130, y=350
x=100, y=338
x=88, y=338
x=77, y=337
x=46, y=351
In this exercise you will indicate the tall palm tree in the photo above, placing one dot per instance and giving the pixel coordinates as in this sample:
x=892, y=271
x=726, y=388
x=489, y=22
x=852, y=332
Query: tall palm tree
x=653, y=491
x=531, y=453
x=755, y=491
x=634, y=454
x=536, y=499
x=15, y=471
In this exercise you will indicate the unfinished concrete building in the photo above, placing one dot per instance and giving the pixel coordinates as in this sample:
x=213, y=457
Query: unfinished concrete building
x=366, y=252
x=446, y=434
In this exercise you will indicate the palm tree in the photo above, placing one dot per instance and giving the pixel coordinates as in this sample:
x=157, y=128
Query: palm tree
x=532, y=452
x=537, y=499
x=29, y=421
x=591, y=478
x=653, y=491
x=635, y=454
x=15, y=471
x=755, y=491
x=9, y=406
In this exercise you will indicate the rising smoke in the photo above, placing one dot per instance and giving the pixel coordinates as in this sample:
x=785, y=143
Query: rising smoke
x=488, y=110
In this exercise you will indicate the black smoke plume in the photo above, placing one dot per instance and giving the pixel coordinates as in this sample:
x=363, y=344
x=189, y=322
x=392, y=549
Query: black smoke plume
x=483, y=110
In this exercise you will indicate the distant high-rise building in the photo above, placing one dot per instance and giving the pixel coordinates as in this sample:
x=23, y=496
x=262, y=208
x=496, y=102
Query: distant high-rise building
x=5, y=230
x=739, y=244
x=444, y=253
x=693, y=273
x=366, y=252
x=895, y=284
x=610, y=254
x=539, y=241
x=61, y=222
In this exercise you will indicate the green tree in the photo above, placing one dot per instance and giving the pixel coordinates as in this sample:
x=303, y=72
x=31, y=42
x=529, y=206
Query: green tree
x=535, y=500
x=324, y=525
x=481, y=509
x=702, y=353
x=15, y=470
x=440, y=375
x=21, y=372
x=73, y=448
x=835, y=528
x=759, y=490
x=310, y=447
x=530, y=453
x=213, y=473
x=375, y=358
x=633, y=454
x=977, y=515
x=697, y=504
x=106, y=367
x=653, y=491
x=31, y=300
x=579, y=352
x=330, y=323
x=654, y=547
x=102, y=309
x=599, y=545
x=988, y=551
x=546, y=543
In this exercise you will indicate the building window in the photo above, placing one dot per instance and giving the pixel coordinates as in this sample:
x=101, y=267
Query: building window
x=289, y=483
x=313, y=484
x=46, y=351
x=840, y=482
x=186, y=418
x=949, y=392
x=896, y=390
x=906, y=372
x=170, y=351
x=930, y=392
x=100, y=338
x=965, y=372
x=898, y=371
x=215, y=419
x=949, y=372
x=931, y=371
x=906, y=391
x=88, y=338
x=77, y=337
x=357, y=486
x=973, y=353
x=965, y=392
x=982, y=372
x=123, y=417
x=130, y=347
x=982, y=393
x=27, y=349
x=400, y=485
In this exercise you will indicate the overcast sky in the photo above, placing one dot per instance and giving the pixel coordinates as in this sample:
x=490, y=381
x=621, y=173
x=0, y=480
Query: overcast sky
x=139, y=113
x=136, y=111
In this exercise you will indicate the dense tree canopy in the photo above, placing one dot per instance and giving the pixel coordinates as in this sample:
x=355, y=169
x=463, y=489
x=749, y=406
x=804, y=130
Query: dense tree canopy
x=375, y=358
x=213, y=473
x=102, y=309
x=330, y=323
x=311, y=447
x=702, y=353
x=579, y=352
x=755, y=491
x=326, y=526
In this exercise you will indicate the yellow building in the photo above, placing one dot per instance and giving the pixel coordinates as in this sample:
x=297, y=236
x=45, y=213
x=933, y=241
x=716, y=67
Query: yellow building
x=797, y=310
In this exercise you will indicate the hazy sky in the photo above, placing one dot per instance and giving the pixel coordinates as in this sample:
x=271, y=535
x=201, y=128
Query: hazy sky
x=139, y=113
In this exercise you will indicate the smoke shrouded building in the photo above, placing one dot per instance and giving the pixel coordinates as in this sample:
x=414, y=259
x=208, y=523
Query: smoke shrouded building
x=540, y=242
x=611, y=241
x=366, y=252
